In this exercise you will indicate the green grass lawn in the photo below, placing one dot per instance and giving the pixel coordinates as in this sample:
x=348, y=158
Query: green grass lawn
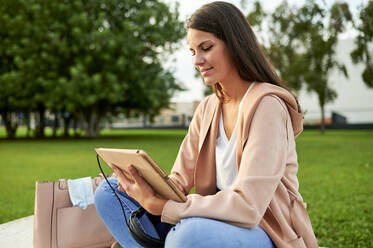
x=335, y=174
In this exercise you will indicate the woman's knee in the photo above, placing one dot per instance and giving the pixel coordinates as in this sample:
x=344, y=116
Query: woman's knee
x=205, y=232
x=104, y=194
x=184, y=234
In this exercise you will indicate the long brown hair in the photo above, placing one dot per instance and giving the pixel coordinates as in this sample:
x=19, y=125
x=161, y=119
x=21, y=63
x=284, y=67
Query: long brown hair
x=227, y=23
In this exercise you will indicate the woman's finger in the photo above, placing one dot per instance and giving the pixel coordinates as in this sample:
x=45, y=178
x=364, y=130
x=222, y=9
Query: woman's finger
x=121, y=176
x=136, y=176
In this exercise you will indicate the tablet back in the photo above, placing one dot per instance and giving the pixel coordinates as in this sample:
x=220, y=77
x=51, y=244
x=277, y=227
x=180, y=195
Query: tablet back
x=146, y=166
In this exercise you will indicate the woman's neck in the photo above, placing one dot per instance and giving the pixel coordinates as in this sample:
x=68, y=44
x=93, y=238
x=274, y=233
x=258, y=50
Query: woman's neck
x=234, y=90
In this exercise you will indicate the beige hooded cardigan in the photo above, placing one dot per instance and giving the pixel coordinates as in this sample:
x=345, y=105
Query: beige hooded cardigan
x=266, y=190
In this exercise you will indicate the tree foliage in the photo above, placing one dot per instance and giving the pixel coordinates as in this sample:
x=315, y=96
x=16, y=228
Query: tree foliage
x=364, y=52
x=13, y=97
x=301, y=44
x=87, y=59
x=319, y=32
x=285, y=49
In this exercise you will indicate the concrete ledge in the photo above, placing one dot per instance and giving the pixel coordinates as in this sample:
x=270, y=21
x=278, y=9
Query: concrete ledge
x=17, y=233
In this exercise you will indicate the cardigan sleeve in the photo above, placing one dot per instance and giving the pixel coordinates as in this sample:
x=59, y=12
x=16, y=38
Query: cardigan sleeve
x=182, y=172
x=261, y=168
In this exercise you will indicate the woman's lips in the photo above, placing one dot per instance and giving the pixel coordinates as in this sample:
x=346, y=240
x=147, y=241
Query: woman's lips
x=204, y=72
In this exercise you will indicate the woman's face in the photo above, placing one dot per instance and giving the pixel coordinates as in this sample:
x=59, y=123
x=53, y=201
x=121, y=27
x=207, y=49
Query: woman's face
x=211, y=56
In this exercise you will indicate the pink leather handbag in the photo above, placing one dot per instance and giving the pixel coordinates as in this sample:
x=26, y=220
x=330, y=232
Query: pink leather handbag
x=57, y=224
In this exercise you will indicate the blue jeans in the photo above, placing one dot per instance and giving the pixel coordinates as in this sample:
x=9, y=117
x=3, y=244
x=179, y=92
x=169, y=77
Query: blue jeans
x=189, y=232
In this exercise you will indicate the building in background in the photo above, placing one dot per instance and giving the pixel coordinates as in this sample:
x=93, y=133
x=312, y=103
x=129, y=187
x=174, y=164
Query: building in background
x=178, y=115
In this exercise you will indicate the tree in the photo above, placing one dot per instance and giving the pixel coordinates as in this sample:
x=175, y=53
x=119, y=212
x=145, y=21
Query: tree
x=256, y=19
x=12, y=94
x=119, y=64
x=301, y=44
x=90, y=59
x=318, y=30
x=285, y=49
x=363, y=52
x=279, y=41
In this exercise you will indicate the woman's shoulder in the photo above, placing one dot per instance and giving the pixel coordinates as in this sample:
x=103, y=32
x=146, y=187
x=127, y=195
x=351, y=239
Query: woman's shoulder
x=270, y=96
x=273, y=102
x=269, y=107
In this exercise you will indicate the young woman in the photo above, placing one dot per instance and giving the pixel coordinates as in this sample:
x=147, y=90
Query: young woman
x=239, y=152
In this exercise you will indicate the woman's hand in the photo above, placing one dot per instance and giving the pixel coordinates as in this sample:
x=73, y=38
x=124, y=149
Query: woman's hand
x=139, y=190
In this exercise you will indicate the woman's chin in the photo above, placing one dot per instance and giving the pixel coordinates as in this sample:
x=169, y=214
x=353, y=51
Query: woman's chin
x=209, y=82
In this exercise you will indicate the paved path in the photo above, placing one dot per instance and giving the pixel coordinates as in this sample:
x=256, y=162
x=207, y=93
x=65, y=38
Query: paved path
x=17, y=233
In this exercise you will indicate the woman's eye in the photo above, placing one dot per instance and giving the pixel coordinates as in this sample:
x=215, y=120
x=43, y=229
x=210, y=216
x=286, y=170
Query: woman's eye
x=207, y=48
x=204, y=49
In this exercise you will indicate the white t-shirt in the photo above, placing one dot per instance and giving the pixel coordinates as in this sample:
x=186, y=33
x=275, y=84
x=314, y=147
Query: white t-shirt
x=225, y=153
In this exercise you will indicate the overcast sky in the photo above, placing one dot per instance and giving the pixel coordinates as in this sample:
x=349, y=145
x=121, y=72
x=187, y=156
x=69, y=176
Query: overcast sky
x=352, y=95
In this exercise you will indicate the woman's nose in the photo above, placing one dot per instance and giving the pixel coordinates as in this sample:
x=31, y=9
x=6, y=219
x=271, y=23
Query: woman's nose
x=198, y=59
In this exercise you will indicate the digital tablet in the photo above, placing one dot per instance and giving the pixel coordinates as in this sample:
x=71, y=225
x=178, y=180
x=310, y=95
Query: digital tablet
x=148, y=169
